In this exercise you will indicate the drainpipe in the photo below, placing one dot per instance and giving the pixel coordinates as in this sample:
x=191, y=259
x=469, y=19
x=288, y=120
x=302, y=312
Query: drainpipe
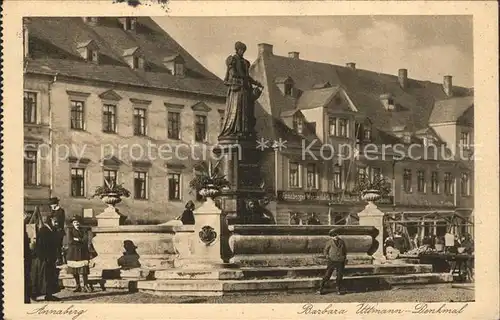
x=51, y=83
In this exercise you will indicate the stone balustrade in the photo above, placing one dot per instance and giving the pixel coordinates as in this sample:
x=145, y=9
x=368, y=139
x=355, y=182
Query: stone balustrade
x=157, y=245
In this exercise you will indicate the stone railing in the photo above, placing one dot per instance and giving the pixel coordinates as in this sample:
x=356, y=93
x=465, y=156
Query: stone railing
x=325, y=197
x=271, y=245
x=157, y=245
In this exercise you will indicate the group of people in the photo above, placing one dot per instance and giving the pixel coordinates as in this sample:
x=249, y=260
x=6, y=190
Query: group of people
x=52, y=246
x=312, y=219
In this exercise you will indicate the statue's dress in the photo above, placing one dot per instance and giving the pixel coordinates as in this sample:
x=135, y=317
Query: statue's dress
x=239, y=117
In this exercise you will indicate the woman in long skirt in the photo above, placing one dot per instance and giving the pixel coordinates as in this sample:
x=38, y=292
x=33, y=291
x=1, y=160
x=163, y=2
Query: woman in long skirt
x=78, y=255
x=44, y=273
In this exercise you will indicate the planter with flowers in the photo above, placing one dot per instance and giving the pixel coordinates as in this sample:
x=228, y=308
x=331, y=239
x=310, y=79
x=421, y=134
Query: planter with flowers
x=373, y=190
x=208, y=182
x=111, y=194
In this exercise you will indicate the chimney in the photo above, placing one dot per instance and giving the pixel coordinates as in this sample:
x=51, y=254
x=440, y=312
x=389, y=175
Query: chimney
x=448, y=85
x=403, y=78
x=265, y=49
x=351, y=65
x=293, y=55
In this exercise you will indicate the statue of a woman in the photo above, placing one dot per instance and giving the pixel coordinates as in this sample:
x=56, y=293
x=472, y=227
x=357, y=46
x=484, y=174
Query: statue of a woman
x=239, y=117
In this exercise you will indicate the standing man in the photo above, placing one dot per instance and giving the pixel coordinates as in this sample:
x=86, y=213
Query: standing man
x=59, y=218
x=336, y=254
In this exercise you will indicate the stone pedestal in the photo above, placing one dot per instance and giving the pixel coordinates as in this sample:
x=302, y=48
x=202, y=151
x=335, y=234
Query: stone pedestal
x=108, y=218
x=372, y=216
x=206, y=241
x=241, y=163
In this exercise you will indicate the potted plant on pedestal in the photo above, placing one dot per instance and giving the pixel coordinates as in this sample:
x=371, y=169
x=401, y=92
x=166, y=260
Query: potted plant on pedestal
x=208, y=182
x=111, y=194
x=373, y=190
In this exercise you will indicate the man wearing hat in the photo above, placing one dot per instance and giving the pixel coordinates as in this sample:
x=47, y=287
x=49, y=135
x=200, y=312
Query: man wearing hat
x=59, y=218
x=336, y=254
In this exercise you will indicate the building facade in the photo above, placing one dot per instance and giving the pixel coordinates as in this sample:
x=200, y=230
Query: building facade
x=417, y=134
x=114, y=99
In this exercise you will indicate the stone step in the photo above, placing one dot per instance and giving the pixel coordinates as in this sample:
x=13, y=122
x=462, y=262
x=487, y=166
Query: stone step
x=287, y=272
x=255, y=286
x=102, y=284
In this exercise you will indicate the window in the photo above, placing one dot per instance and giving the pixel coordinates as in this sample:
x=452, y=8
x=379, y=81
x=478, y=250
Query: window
x=464, y=184
x=140, y=185
x=90, y=55
x=465, y=140
x=30, y=166
x=294, y=175
x=420, y=181
x=77, y=119
x=178, y=69
x=135, y=62
x=29, y=107
x=358, y=131
x=434, y=182
x=174, y=186
x=110, y=177
x=332, y=125
x=221, y=120
x=200, y=134
x=174, y=125
x=311, y=176
x=343, y=128
x=298, y=123
x=367, y=133
x=139, y=122
x=109, y=118
x=288, y=89
x=337, y=177
x=77, y=182
x=407, y=180
x=448, y=183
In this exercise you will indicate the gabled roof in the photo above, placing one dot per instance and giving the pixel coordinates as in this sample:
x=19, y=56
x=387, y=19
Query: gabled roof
x=131, y=51
x=316, y=98
x=450, y=110
x=54, y=50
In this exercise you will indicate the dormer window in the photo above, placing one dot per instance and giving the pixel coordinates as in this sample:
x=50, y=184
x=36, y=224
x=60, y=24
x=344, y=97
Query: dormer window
x=388, y=101
x=286, y=86
x=407, y=137
x=298, y=123
x=176, y=64
x=179, y=69
x=134, y=58
x=89, y=51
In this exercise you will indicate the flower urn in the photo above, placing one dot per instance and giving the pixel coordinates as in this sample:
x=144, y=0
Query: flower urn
x=210, y=191
x=370, y=195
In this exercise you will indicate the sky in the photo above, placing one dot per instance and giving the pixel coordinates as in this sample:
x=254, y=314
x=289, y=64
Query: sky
x=428, y=46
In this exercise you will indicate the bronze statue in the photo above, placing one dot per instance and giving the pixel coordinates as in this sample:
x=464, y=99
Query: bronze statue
x=241, y=96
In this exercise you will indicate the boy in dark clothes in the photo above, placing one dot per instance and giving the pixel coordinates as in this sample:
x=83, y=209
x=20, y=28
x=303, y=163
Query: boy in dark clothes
x=336, y=254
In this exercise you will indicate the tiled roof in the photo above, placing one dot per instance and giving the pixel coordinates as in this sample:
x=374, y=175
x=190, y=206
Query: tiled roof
x=450, y=110
x=54, y=46
x=414, y=104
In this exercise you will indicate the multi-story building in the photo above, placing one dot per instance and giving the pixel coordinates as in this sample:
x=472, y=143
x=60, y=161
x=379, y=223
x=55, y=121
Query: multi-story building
x=114, y=99
x=406, y=130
